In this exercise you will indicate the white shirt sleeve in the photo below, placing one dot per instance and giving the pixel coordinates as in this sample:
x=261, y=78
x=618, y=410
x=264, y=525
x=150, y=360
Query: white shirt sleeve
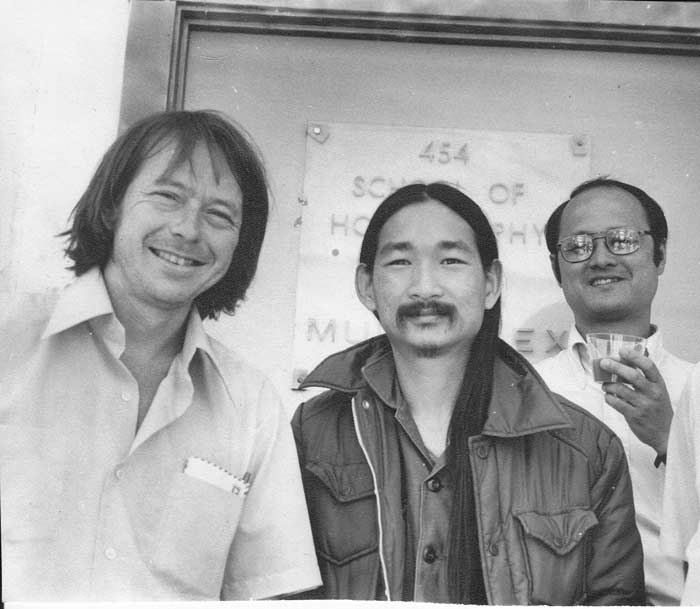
x=273, y=551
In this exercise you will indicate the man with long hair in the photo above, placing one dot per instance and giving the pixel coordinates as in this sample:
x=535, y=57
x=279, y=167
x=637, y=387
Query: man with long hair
x=438, y=466
x=140, y=458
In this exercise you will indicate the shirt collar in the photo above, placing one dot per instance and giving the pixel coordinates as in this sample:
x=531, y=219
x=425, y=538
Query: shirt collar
x=197, y=338
x=86, y=300
x=82, y=300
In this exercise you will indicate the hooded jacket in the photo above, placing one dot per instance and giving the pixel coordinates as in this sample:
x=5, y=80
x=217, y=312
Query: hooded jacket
x=553, y=496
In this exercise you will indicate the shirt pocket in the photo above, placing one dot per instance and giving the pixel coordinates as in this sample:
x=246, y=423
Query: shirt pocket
x=343, y=511
x=554, y=547
x=194, y=537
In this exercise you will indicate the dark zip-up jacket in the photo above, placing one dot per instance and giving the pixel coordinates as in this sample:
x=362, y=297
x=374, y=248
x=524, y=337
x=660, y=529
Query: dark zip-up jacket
x=553, y=495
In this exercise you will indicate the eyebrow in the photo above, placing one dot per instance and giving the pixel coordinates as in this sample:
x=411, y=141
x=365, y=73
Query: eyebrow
x=165, y=180
x=406, y=246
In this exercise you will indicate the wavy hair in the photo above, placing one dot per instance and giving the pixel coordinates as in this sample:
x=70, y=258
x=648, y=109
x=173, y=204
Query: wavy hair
x=93, y=220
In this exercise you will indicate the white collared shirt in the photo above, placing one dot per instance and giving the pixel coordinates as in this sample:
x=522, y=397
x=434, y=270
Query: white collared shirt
x=92, y=510
x=569, y=374
x=680, y=532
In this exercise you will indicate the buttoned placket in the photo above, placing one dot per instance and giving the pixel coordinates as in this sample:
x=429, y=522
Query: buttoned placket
x=432, y=537
x=114, y=544
x=433, y=514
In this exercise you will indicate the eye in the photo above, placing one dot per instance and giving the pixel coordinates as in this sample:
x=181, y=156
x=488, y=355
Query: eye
x=166, y=194
x=397, y=262
x=221, y=217
x=623, y=241
x=576, y=245
x=450, y=261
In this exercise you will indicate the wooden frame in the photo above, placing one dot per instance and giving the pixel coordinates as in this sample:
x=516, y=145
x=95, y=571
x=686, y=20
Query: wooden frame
x=160, y=31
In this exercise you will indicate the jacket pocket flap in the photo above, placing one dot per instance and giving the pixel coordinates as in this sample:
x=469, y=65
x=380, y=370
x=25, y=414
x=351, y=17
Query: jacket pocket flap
x=561, y=532
x=346, y=482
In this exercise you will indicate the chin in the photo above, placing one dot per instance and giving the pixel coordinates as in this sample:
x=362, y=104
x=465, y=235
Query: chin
x=428, y=351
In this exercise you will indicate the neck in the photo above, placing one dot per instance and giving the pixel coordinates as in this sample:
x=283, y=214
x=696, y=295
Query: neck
x=152, y=332
x=636, y=327
x=430, y=386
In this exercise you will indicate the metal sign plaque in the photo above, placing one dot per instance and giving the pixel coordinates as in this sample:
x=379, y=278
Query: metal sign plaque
x=517, y=179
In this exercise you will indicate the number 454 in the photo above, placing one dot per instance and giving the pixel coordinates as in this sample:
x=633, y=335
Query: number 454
x=444, y=152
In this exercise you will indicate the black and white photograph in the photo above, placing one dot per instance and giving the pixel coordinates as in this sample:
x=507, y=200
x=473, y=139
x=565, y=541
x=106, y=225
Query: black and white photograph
x=305, y=302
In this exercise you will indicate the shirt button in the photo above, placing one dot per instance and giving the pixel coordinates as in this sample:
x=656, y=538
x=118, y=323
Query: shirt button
x=126, y=396
x=111, y=553
x=119, y=473
x=434, y=484
x=429, y=555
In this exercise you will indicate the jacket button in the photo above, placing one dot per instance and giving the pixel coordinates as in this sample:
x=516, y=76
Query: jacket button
x=482, y=451
x=493, y=549
x=429, y=555
x=434, y=484
x=365, y=404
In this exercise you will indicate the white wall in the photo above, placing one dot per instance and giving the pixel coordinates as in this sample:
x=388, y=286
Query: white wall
x=60, y=88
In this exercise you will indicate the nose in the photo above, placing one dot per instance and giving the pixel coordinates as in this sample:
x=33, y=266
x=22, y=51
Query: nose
x=601, y=255
x=425, y=282
x=186, y=222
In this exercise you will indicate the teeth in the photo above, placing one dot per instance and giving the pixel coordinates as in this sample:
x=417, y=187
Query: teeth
x=605, y=281
x=179, y=260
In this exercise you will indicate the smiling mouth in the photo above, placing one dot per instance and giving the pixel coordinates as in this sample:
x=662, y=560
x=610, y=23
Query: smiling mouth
x=602, y=281
x=175, y=259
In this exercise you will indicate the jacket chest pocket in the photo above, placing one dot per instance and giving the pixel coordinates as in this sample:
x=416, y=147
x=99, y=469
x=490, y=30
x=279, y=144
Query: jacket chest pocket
x=343, y=510
x=554, y=549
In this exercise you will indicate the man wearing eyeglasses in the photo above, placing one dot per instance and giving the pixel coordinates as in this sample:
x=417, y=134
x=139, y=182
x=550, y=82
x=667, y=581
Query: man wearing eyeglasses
x=607, y=247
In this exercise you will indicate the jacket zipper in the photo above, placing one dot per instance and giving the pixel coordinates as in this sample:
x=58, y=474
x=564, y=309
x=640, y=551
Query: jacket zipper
x=385, y=575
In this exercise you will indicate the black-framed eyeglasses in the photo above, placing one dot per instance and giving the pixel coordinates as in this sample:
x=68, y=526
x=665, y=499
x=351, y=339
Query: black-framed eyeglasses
x=620, y=241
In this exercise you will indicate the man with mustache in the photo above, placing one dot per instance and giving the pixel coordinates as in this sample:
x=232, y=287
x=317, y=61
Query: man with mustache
x=437, y=466
x=607, y=246
x=140, y=459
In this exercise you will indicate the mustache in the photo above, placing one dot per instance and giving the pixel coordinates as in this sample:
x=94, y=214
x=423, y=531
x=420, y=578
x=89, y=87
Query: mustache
x=425, y=307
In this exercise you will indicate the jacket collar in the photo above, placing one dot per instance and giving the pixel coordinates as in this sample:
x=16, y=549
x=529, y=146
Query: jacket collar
x=521, y=403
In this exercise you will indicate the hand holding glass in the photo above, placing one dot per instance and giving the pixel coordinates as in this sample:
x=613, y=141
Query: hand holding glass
x=607, y=345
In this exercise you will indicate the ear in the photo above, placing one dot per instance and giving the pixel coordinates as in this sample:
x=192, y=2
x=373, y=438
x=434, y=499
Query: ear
x=494, y=283
x=554, y=261
x=662, y=263
x=363, y=287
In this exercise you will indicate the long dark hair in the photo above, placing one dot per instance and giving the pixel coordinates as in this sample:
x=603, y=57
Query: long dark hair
x=471, y=409
x=94, y=218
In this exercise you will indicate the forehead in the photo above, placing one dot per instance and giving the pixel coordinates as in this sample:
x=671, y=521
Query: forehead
x=201, y=163
x=428, y=223
x=602, y=208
